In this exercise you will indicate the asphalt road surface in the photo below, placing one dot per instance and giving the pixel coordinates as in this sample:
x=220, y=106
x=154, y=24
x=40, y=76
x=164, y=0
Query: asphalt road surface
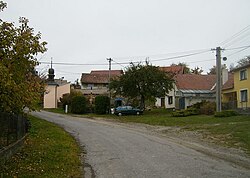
x=119, y=150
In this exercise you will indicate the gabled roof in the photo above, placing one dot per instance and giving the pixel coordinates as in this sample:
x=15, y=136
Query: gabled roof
x=99, y=76
x=173, y=69
x=229, y=83
x=106, y=72
x=195, y=82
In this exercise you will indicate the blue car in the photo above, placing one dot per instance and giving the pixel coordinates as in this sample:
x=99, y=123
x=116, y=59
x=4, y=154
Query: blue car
x=127, y=110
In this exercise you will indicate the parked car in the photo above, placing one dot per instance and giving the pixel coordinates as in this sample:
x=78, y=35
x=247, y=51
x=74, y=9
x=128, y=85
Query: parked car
x=127, y=110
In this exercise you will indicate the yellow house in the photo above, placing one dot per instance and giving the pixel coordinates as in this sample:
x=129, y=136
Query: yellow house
x=236, y=92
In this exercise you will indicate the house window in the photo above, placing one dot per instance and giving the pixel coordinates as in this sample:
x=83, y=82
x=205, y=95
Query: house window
x=243, y=95
x=90, y=86
x=243, y=74
x=170, y=100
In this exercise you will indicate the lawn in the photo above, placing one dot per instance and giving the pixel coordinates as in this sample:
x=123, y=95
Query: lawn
x=48, y=152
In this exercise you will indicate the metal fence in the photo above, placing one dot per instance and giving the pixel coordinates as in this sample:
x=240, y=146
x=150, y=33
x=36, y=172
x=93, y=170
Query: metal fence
x=12, y=128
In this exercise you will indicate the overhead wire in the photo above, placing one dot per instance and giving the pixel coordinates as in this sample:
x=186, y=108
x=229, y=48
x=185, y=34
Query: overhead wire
x=239, y=51
x=225, y=42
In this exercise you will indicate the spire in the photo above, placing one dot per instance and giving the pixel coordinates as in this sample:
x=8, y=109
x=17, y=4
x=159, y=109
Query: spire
x=51, y=73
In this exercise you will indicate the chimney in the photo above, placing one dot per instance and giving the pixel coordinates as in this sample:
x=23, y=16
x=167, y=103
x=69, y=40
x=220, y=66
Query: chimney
x=224, y=76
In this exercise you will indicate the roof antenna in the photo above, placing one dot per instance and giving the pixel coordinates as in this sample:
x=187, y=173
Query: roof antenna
x=51, y=63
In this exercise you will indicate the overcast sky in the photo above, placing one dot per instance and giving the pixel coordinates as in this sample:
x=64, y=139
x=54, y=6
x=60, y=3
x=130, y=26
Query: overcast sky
x=90, y=31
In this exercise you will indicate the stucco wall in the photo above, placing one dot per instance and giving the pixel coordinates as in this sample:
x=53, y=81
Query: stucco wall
x=62, y=89
x=242, y=85
x=50, y=97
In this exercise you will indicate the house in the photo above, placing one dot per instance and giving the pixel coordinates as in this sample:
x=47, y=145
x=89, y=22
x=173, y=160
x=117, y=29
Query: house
x=236, y=94
x=54, y=90
x=188, y=89
x=97, y=81
x=193, y=88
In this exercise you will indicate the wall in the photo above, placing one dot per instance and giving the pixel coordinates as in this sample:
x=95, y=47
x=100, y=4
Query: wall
x=240, y=85
x=167, y=105
x=63, y=89
x=50, y=96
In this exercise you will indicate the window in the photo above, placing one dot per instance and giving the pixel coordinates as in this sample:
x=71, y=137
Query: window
x=170, y=100
x=243, y=74
x=243, y=95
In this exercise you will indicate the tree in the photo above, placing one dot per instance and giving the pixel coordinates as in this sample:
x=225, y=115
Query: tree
x=243, y=61
x=20, y=85
x=186, y=69
x=78, y=105
x=212, y=71
x=142, y=81
x=101, y=104
x=197, y=71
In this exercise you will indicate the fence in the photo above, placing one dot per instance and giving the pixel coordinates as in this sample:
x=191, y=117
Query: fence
x=243, y=107
x=12, y=128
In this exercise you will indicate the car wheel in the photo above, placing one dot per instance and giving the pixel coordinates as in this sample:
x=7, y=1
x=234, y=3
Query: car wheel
x=137, y=113
x=119, y=114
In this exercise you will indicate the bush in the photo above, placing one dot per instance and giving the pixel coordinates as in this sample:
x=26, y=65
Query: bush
x=182, y=113
x=78, y=105
x=226, y=113
x=67, y=98
x=101, y=104
x=208, y=108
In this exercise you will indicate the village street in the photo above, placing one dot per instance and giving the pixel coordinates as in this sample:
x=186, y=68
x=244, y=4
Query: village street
x=121, y=150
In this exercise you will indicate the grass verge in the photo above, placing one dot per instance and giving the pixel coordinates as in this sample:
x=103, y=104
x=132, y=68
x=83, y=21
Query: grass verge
x=48, y=152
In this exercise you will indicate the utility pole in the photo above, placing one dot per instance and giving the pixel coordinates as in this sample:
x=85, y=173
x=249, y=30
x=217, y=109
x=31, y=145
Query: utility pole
x=109, y=59
x=218, y=79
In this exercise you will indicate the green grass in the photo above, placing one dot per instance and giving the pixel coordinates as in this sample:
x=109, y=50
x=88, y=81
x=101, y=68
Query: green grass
x=48, y=152
x=55, y=110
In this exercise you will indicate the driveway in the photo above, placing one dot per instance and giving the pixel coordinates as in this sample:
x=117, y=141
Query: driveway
x=130, y=150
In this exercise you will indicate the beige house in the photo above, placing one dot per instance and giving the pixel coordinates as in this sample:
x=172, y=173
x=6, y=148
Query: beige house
x=96, y=82
x=54, y=90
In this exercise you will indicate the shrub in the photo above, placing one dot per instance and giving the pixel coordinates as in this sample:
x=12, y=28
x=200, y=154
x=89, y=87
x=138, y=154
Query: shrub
x=101, y=104
x=208, y=108
x=67, y=98
x=78, y=105
x=182, y=113
x=226, y=113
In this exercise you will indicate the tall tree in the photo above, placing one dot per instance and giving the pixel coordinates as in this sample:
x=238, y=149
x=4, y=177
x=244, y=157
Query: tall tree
x=20, y=86
x=243, y=61
x=144, y=82
x=186, y=69
x=197, y=71
x=212, y=71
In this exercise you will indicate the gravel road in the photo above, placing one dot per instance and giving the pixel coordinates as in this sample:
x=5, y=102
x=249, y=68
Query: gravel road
x=126, y=150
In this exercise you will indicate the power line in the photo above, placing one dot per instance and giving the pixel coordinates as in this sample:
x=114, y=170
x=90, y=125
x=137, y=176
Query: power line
x=237, y=40
x=235, y=35
x=236, y=48
x=153, y=60
x=239, y=51
x=181, y=56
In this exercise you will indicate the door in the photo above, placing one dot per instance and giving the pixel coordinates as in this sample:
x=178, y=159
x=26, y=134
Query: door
x=182, y=103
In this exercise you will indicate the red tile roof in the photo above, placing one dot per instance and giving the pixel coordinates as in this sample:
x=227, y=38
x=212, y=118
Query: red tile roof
x=195, y=82
x=229, y=83
x=99, y=76
x=106, y=72
x=173, y=69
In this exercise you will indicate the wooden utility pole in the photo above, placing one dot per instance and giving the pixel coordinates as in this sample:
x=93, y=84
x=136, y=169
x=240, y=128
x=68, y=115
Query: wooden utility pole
x=109, y=59
x=218, y=79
